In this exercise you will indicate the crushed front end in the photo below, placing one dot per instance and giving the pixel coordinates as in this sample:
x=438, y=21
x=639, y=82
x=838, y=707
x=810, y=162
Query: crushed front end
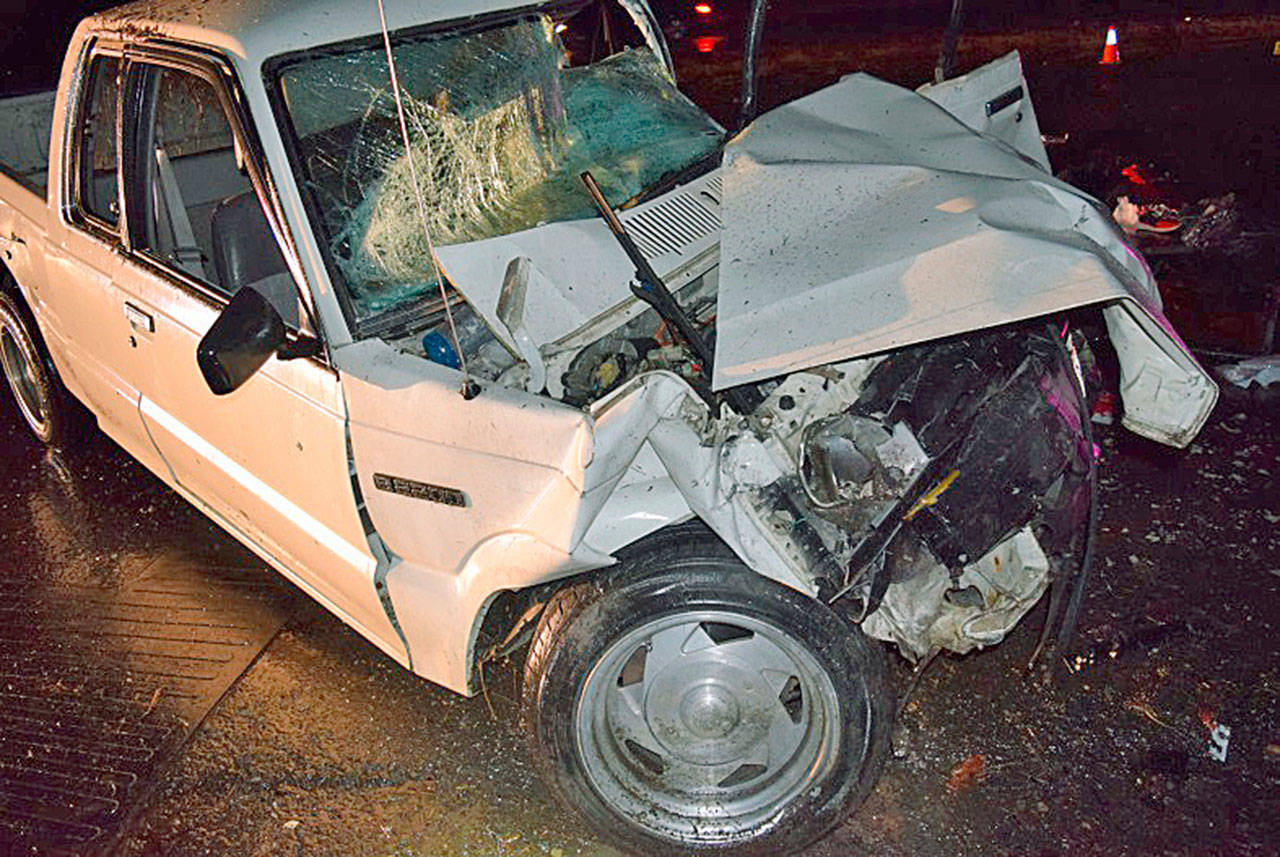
x=938, y=491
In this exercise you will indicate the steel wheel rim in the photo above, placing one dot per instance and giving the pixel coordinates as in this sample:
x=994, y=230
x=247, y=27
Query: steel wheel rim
x=20, y=370
x=722, y=721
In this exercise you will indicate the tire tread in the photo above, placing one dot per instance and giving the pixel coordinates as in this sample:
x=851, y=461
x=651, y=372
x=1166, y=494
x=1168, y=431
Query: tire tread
x=692, y=560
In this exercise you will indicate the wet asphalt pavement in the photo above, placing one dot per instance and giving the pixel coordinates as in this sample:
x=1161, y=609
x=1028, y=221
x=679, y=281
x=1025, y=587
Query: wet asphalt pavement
x=125, y=618
x=324, y=746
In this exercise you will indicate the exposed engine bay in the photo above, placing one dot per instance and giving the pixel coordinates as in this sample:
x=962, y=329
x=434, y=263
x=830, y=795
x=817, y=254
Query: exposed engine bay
x=953, y=489
x=577, y=374
x=935, y=492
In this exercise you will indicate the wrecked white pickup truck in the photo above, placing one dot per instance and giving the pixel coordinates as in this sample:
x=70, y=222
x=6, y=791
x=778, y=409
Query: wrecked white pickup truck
x=798, y=387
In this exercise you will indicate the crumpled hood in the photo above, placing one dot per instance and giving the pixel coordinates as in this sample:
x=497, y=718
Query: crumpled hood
x=864, y=217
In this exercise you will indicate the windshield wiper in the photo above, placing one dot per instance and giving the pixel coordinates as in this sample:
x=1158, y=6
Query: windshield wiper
x=678, y=176
x=650, y=288
x=397, y=321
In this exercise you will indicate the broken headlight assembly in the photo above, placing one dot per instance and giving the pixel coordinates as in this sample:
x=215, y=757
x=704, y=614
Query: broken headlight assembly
x=849, y=458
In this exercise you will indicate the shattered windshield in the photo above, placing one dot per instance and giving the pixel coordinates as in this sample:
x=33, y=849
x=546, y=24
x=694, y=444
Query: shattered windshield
x=502, y=119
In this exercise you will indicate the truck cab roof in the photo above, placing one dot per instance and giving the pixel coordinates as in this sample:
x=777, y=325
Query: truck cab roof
x=254, y=30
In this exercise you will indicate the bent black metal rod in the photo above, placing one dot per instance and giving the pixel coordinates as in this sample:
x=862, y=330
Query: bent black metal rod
x=650, y=288
x=1067, y=630
x=750, y=58
x=947, y=59
x=1071, y=590
x=1057, y=595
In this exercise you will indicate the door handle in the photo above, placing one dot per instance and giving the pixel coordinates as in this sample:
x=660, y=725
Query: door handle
x=140, y=320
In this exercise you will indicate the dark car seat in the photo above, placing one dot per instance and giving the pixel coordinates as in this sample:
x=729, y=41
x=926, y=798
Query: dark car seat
x=245, y=253
x=244, y=249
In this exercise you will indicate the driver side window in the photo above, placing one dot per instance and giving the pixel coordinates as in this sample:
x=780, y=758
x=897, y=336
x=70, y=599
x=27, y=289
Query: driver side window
x=193, y=208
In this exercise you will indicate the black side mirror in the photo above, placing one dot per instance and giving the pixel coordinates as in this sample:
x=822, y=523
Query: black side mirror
x=248, y=331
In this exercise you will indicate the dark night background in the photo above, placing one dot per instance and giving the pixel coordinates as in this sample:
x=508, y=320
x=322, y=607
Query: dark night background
x=33, y=34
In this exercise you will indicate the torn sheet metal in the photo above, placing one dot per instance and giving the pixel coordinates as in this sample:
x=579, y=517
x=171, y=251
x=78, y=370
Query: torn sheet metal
x=511, y=457
x=469, y=496
x=948, y=451
x=715, y=470
x=994, y=100
x=918, y=615
x=864, y=217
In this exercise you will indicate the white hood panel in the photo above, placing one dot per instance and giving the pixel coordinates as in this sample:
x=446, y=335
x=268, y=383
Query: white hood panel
x=865, y=217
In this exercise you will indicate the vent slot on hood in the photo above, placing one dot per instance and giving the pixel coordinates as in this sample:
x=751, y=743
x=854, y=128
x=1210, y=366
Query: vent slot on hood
x=678, y=224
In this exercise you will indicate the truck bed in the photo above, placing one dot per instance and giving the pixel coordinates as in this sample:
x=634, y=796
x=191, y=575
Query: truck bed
x=24, y=139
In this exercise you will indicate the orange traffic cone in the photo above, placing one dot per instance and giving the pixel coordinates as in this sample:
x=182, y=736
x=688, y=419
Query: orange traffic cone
x=1111, y=48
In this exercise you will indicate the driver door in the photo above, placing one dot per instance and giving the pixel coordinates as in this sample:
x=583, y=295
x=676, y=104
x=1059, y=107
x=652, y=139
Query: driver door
x=270, y=460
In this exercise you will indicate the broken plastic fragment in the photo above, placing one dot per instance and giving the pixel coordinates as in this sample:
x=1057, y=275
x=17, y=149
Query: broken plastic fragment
x=1219, y=738
x=967, y=772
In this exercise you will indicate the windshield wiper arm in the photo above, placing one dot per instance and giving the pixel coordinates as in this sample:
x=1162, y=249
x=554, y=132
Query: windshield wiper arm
x=650, y=288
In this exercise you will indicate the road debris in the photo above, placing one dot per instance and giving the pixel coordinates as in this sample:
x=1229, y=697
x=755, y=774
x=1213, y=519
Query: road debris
x=1219, y=738
x=1263, y=371
x=155, y=697
x=1146, y=711
x=1128, y=215
x=967, y=772
x=1219, y=735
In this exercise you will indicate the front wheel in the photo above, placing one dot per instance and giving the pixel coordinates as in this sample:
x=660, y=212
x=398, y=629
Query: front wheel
x=683, y=702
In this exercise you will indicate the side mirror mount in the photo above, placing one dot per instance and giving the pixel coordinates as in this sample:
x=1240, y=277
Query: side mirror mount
x=302, y=346
x=245, y=334
x=515, y=287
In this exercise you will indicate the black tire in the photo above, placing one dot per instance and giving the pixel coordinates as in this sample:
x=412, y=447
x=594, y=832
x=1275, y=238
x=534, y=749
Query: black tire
x=634, y=789
x=45, y=405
